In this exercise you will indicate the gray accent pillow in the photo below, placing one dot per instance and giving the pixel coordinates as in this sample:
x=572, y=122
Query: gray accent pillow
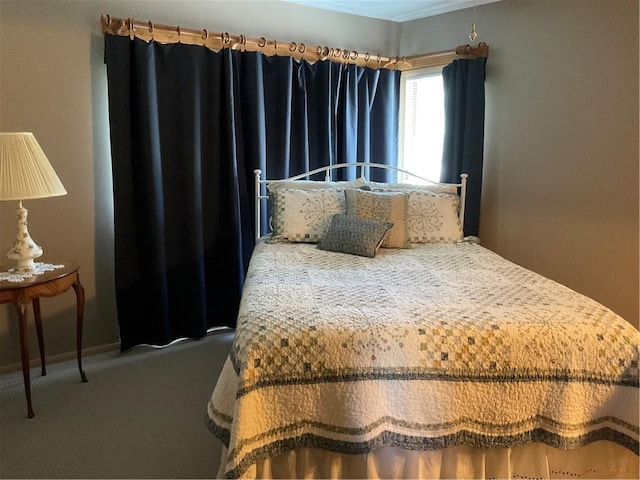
x=354, y=235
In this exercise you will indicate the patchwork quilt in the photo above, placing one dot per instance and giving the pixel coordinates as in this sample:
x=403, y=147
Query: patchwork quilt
x=439, y=345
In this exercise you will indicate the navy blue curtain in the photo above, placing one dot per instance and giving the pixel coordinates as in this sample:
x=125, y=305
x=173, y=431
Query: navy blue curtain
x=464, y=132
x=188, y=127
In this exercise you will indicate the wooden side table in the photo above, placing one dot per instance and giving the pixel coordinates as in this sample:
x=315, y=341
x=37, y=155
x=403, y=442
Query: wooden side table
x=46, y=284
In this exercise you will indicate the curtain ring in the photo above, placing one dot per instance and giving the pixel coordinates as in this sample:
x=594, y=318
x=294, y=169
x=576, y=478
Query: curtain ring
x=132, y=29
x=463, y=50
x=262, y=42
x=354, y=55
x=302, y=48
x=379, y=60
x=121, y=26
x=346, y=54
x=151, y=29
x=366, y=58
x=106, y=20
x=179, y=34
x=243, y=42
x=225, y=38
x=293, y=46
x=205, y=35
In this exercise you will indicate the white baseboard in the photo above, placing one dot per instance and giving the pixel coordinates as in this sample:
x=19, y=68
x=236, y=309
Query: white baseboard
x=62, y=357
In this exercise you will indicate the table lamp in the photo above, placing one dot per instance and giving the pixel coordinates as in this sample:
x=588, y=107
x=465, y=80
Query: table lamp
x=25, y=173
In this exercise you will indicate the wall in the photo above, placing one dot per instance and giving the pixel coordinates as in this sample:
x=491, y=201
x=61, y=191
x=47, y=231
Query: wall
x=53, y=83
x=561, y=169
x=560, y=180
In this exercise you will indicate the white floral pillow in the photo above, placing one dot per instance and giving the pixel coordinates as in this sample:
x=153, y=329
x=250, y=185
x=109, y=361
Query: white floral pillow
x=305, y=215
x=433, y=217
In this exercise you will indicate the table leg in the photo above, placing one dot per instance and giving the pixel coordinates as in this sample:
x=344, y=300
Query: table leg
x=24, y=352
x=38, y=321
x=77, y=286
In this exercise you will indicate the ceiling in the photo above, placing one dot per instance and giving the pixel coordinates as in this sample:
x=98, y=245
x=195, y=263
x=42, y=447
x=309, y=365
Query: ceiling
x=393, y=10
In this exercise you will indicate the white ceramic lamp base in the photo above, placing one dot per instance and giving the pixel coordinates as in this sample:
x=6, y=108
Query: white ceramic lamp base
x=24, y=249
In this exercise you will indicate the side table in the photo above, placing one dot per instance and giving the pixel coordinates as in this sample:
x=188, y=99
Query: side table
x=29, y=290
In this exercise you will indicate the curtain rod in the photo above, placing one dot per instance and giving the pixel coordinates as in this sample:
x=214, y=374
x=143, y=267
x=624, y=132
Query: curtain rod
x=149, y=31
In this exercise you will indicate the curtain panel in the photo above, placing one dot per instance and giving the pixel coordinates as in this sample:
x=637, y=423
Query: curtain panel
x=188, y=127
x=464, y=103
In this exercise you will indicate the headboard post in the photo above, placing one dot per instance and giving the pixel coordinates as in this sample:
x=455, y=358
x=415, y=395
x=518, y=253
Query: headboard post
x=463, y=195
x=257, y=172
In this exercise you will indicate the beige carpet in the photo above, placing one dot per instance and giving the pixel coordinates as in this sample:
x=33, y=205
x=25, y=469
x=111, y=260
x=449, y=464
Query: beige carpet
x=141, y=415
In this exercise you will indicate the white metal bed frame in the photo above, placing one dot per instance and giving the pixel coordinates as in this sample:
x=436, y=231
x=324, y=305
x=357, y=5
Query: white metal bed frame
x=261, y=192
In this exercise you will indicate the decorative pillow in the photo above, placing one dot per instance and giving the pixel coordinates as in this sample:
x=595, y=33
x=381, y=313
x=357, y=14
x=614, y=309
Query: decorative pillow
x=433, y=217
x=354, y=235
x=385, y=207
x=411, y=187
x=274, y=185
x=305, y=215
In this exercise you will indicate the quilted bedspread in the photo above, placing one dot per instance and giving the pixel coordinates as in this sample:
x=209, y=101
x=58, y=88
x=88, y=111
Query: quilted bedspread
x=422, y=348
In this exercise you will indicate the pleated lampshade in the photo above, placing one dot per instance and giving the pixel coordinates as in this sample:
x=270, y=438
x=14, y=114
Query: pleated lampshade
x=25, y=171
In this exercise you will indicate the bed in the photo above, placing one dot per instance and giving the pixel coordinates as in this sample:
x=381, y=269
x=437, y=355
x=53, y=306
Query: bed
x=375, y=341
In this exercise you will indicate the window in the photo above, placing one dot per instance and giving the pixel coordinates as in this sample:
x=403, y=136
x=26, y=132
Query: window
x=422, y=122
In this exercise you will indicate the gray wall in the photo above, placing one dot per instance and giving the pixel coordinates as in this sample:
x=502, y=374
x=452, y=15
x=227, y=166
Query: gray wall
x=561, y=176
x=560, y=189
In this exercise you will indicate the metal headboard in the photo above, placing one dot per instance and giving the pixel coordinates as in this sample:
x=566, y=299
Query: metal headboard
x=261, y=192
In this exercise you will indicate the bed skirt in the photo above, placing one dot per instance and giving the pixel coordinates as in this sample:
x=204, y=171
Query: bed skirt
x=598, y=460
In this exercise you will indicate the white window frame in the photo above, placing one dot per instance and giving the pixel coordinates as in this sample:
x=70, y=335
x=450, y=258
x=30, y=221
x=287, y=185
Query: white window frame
x=411, y=75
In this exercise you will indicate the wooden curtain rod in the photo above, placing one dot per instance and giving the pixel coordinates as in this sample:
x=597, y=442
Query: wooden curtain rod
x=149, y=31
